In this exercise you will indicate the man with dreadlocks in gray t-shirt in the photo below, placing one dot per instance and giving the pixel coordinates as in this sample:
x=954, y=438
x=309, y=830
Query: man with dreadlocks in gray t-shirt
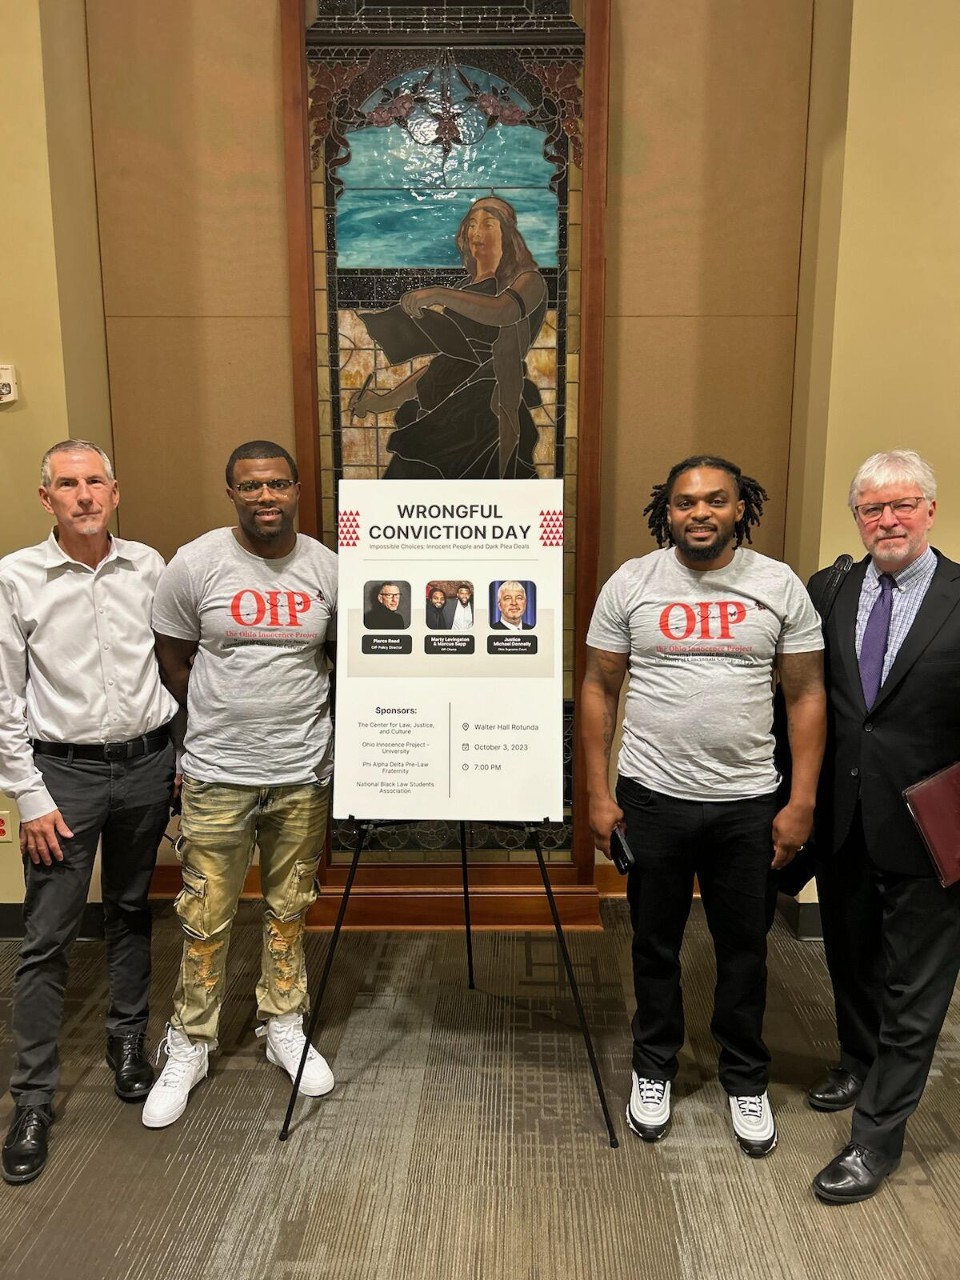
x=702, y=624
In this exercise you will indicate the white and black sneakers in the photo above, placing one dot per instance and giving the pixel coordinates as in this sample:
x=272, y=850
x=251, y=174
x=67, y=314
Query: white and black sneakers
x=648, y=1111
x=648, y=1115
x=753, y=1124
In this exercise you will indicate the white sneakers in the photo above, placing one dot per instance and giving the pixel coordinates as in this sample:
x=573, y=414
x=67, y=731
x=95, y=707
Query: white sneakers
x=753, y=1124
x=186, y=1066
x=648, y=1111
x=285, y=1042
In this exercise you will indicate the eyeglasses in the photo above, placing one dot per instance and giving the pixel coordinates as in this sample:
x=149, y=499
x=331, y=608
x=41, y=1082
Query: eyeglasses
x=251, y=488
x=902, y=508
x=389, y=595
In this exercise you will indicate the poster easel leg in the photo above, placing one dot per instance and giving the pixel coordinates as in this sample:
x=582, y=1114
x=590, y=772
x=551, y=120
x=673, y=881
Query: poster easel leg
x=363, y=830
x=534, y=835
x=466, y=904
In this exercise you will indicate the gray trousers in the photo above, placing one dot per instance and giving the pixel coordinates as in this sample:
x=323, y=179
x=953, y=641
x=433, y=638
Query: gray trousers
x=124, y=805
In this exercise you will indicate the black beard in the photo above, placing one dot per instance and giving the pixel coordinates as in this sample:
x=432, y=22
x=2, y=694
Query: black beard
x=705, y=553
x=260, y=534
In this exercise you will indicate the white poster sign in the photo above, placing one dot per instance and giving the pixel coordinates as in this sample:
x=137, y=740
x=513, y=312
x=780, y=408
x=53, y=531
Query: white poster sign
x=450, y=650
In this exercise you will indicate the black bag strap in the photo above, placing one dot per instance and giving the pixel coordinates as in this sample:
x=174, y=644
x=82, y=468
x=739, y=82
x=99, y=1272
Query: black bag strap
x=827, y=598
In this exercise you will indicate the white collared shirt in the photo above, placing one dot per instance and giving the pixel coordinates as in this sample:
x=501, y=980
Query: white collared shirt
x=463, y=617
x=76, y=657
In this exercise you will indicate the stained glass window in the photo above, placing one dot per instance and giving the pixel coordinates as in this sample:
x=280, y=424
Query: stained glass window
x=406, y=139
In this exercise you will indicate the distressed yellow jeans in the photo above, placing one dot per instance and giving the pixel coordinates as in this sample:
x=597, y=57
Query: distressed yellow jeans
x=221, y=827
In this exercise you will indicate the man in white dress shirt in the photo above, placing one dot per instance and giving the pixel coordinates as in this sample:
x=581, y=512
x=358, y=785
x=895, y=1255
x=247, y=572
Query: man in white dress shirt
x=460, y=609
x=85, y=752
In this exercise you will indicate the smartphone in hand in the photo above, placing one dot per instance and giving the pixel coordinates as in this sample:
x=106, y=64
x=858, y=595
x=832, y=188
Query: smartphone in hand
x=620, y=851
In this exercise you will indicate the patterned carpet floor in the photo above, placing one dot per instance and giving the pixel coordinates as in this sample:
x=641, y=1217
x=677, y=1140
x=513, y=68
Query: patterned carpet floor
x=464, y=1140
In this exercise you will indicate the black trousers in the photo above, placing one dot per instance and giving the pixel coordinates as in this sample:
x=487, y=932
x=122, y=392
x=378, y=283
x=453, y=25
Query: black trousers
x=124, y=806
x=893, y=951
x=729, y=847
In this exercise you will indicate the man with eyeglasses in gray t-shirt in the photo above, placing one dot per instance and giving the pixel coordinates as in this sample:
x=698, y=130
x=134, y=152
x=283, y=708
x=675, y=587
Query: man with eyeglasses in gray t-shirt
x=242, y=618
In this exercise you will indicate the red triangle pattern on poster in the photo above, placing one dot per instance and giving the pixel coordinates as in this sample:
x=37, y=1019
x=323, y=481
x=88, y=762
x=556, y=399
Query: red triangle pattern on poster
x=349, y=529
x=551, y=528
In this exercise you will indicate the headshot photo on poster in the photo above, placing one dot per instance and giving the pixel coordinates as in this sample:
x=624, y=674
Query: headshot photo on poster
x=386, y=606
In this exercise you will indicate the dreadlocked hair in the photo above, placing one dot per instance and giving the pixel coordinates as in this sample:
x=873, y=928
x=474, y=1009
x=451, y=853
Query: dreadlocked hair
x=751, y=493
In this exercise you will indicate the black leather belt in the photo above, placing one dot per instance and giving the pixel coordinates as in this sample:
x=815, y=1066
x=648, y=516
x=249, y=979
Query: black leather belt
x=145, y=745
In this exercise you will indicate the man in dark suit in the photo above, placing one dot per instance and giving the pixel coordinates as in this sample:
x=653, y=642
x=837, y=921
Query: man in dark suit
x=892, y=933
x=512, y=603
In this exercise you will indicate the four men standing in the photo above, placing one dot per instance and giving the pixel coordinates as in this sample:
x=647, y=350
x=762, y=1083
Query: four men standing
x=243, y=619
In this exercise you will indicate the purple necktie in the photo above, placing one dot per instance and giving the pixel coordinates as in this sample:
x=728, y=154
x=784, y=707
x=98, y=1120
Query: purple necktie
x=873, y=650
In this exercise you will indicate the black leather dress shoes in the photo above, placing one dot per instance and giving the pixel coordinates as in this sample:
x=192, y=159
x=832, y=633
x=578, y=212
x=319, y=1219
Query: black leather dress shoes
x=25, y=1148
x=838, y=1090
x=855, y=1174
x=133, y=1072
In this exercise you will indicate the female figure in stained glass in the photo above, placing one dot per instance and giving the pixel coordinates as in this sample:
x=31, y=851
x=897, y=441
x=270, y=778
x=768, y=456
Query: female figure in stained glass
x=466, y=414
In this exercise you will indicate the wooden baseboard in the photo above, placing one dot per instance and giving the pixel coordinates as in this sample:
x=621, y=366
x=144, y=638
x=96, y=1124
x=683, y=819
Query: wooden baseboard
x=610, y=883
x=436, y=906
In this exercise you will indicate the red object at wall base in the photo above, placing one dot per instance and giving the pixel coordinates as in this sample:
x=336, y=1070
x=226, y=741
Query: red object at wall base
x=934, y=805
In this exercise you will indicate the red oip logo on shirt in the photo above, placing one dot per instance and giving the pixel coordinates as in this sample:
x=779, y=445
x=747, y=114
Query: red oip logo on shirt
x=707, y=620
x=250, y=608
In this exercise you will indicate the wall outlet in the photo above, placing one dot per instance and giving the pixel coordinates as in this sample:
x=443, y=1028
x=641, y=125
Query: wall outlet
x=8, y=385
x=6, y=835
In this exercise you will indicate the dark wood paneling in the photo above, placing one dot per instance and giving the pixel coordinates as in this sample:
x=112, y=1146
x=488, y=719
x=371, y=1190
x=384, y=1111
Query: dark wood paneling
x=303, y=324
x=403, y=904
x=596, y=109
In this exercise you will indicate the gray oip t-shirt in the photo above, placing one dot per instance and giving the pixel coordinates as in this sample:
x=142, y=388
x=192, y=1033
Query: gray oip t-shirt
x=257, y=712
x=702, y=647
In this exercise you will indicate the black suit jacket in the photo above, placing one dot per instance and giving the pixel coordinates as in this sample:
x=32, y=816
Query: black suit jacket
x=501, y=626
x=912, y=730
x=379, y=618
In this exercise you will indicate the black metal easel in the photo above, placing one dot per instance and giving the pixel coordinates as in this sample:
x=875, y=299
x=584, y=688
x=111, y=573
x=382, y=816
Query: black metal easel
x=533, y=835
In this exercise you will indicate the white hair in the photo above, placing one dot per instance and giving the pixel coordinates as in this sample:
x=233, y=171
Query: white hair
x=510, y=585
x=895, y=466
x=73, y=446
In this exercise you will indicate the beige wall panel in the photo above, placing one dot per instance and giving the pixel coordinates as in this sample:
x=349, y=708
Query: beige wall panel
x=74, y=204
x=51, y=323
x=708, y=115
x=819, y=263
x=189, y=152
x=895, y=371
x=185, y=393
x=29, y=296
x=676, y=386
